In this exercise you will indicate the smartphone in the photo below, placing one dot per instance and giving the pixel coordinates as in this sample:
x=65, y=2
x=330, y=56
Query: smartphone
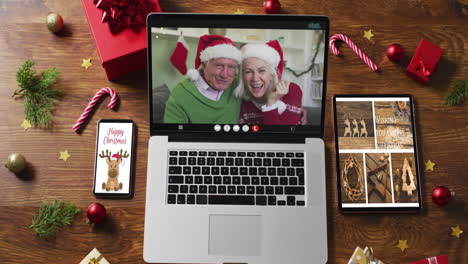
x=114, y=162
x=376, y=153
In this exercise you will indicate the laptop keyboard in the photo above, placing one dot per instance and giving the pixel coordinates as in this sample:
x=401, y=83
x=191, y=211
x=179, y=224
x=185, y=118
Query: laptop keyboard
x=236, y=178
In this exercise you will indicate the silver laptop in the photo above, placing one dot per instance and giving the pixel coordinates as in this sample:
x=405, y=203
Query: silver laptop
x=236, y=164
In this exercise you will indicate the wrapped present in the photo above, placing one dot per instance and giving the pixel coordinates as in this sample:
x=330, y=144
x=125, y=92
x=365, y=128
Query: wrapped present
x=364, y=256
x=424, y=61
x=433, y=260
x=119, y=31
x=94, y=257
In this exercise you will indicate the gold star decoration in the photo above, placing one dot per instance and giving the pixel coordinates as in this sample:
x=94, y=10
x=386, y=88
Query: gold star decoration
x=430, y=165
x=238, y=11
x=64, y=155
x=93, y=261
x=26, y=124
x=86, y=63
x=402, y=244
x=368, y=34
x=456, y=231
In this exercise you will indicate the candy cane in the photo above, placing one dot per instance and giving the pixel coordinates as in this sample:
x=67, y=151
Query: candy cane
x=353, y=46
x=93, y=101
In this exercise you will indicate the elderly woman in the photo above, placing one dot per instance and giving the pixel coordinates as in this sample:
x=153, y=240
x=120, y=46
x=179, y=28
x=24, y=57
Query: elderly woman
x=267, y=99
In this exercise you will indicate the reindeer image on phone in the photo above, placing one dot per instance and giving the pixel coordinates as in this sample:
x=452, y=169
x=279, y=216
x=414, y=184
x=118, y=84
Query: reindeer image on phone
x=113, y=169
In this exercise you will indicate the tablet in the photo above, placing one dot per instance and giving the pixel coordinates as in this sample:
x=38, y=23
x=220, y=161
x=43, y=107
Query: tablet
x=376, y=153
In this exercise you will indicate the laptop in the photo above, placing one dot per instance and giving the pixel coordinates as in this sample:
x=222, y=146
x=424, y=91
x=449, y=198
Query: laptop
x=236, y=164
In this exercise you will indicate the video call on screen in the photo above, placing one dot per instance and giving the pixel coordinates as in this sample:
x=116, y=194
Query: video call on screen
x=246, y=86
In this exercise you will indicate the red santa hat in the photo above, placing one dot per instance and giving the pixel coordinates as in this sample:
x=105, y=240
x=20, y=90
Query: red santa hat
x=209, y=47
x=271, y=52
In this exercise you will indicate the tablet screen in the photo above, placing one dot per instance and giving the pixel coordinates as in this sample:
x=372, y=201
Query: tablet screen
x=377, y=164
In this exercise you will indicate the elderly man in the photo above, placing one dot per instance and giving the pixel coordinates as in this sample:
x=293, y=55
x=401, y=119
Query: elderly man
x=206, y=97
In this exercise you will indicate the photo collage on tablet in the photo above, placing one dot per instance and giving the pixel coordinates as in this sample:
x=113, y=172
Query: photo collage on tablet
x=376, y=152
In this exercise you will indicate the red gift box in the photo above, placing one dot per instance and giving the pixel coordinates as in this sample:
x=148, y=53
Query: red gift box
x=121, y=52
x=424, y=61
x=433, y=260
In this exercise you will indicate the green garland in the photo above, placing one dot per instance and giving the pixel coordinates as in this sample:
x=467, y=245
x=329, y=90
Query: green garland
x=312, y=63
x=37, y=94
x=460, y=90
x=52, y=217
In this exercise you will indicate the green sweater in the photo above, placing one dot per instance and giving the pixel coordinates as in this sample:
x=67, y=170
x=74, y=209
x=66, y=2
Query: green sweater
x=187, y=105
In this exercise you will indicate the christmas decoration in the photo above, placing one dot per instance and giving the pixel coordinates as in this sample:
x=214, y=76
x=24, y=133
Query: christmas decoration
x=402, y=244
x=312, y=63
x=272, y=6
x=424, y=61
x=64, y=155
x=456, y=231
x=52, y=217
x=433, y=260
x=97, y=96
x=26, y=124
x=353, y=46
x=239, y=12
x=94, y=257
x=86, y=63
x=122, y=14
x=37, y=94
x=460, y=90
x=179, y=55
x=430, y=165
x=96, y=212
x=54, y=22
x=368, y=34
x=395, y=52
x=364, y=256
x=15, y=163
x=121, y=43
x=441, y=195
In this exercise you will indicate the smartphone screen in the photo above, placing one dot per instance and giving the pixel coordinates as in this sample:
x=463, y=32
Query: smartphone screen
x=113, y=174
x=377, y=165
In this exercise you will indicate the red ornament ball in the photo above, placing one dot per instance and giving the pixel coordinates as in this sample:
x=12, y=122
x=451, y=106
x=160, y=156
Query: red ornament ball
x=441, y=195
x=96, y=212
x=272, y=6
x=395, y=52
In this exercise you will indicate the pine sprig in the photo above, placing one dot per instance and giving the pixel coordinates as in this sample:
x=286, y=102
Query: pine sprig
x=460, y=90
x=52, y=217
x=37, y=93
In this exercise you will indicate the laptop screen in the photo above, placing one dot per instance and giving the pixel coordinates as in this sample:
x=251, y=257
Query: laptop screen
x=240, y=77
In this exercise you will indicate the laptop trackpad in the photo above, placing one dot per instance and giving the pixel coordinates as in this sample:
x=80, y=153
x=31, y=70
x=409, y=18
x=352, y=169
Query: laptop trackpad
x=235, y=235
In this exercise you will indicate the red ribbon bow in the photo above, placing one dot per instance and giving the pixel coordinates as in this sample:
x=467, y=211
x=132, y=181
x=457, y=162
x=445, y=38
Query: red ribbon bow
x=421, y=66
x=121, y=14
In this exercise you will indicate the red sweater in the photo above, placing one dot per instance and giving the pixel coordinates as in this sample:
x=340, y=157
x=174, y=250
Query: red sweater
x=250, y=114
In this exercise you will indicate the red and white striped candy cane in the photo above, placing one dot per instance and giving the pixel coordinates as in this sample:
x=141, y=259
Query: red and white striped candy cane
x=353, y=46
x=97, y=96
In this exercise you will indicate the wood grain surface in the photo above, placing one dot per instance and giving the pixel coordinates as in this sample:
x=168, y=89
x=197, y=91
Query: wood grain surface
x=442, y=130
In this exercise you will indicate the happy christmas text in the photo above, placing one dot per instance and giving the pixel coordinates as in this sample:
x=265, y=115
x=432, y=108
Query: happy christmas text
x=115, y=137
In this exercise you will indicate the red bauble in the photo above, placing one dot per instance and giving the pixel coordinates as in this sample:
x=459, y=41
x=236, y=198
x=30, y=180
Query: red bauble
x=441, y=195
x=272, y=6
x=96, y=212
x=395, y=52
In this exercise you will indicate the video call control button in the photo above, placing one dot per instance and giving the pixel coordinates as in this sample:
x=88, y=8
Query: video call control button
x=227, y=128
x=245, y=128
x=236, y=128
x=255, y=128
x=217, y=128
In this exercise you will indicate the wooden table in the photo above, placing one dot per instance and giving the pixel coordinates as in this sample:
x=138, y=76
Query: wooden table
x=442, y=130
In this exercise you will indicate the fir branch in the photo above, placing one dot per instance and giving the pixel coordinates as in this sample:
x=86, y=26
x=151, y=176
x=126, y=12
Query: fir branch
x=460, y=90
x=37, y=93
x=52, y=217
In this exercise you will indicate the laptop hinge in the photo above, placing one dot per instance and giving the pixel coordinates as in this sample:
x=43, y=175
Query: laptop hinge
x=241, y=138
